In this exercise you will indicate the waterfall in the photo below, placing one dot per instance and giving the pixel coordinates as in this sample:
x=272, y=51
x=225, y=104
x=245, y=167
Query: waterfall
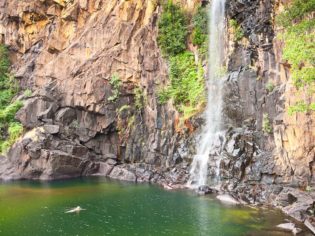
x=210, y=135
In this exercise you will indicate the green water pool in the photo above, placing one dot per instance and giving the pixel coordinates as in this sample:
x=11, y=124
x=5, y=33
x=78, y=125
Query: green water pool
x=116, y=208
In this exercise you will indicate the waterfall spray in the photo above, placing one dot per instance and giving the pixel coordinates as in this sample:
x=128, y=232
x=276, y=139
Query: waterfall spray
x=213, y=114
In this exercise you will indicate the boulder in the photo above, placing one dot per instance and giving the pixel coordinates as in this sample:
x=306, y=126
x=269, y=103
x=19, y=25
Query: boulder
x=34, y=110
x=52, y=129
x=120, y=173
x=225, y=198
x=104, y=169
x=310, y=225
x=290, y=227
x=204, y=189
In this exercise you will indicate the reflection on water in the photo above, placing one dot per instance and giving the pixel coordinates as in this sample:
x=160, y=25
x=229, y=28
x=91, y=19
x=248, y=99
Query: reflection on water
x=114, y=208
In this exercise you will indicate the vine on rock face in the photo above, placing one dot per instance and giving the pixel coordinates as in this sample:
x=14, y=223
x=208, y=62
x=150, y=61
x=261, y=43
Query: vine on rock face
x=116, y=83
x=299, y=49
x=187, y=87
x=237, y=30
x=140, y=98
x=270, y=87
x=266, y=126
x=10, y=129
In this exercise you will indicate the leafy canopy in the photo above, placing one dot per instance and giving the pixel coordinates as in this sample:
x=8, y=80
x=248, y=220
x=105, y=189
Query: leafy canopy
x=172, y=30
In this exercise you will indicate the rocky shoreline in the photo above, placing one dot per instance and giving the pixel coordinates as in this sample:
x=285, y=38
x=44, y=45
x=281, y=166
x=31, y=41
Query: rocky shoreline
x=293, y=202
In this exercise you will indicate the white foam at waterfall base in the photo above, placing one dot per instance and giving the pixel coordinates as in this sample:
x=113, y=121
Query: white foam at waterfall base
x=213, y=115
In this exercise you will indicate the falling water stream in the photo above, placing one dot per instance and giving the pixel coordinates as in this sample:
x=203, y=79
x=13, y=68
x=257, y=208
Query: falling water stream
x=210, y=135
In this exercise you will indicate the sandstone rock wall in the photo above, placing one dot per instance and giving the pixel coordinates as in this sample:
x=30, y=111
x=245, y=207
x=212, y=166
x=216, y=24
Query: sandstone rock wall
x=285, y=153
x=67, y=52
x=268, y=155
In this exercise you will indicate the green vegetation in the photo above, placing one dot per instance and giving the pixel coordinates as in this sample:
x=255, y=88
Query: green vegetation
x=301, y=106
x=309, y=189
x=200, y=23
x=27, y=93
x=266, y=126
x=164, y=95
x=116, y=83
x=172, y=30
x=270, y=87
x=200, y=31
x=125, y=121
x=10, y=129
x=297, y=10
x=299, y=49
x=122, y=109
x=186, y=87
x=15, y=131
x=238, y=32
x=7, y=113
x=139, y=98
x=75, y=124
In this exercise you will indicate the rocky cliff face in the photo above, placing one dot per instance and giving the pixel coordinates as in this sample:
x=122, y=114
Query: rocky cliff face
x=268, y=155
x=79, y=122
x=68, y=52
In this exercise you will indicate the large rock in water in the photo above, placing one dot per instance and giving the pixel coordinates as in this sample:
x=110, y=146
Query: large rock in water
x=122, y=173
x=290, y=227
x=204, y=189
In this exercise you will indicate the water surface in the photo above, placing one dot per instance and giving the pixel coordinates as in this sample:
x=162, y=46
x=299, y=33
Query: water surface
x=115, y=208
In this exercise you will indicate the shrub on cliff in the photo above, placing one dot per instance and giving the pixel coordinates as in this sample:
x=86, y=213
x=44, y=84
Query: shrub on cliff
x=299, y=49
x=237, y=30
x=116, y=84
x=14, y=131
x=186, y=89
x=295, y=11
x=200, y=23
x=172, y=30
x=10, y=129
x=266, y=126
x=4, y=64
